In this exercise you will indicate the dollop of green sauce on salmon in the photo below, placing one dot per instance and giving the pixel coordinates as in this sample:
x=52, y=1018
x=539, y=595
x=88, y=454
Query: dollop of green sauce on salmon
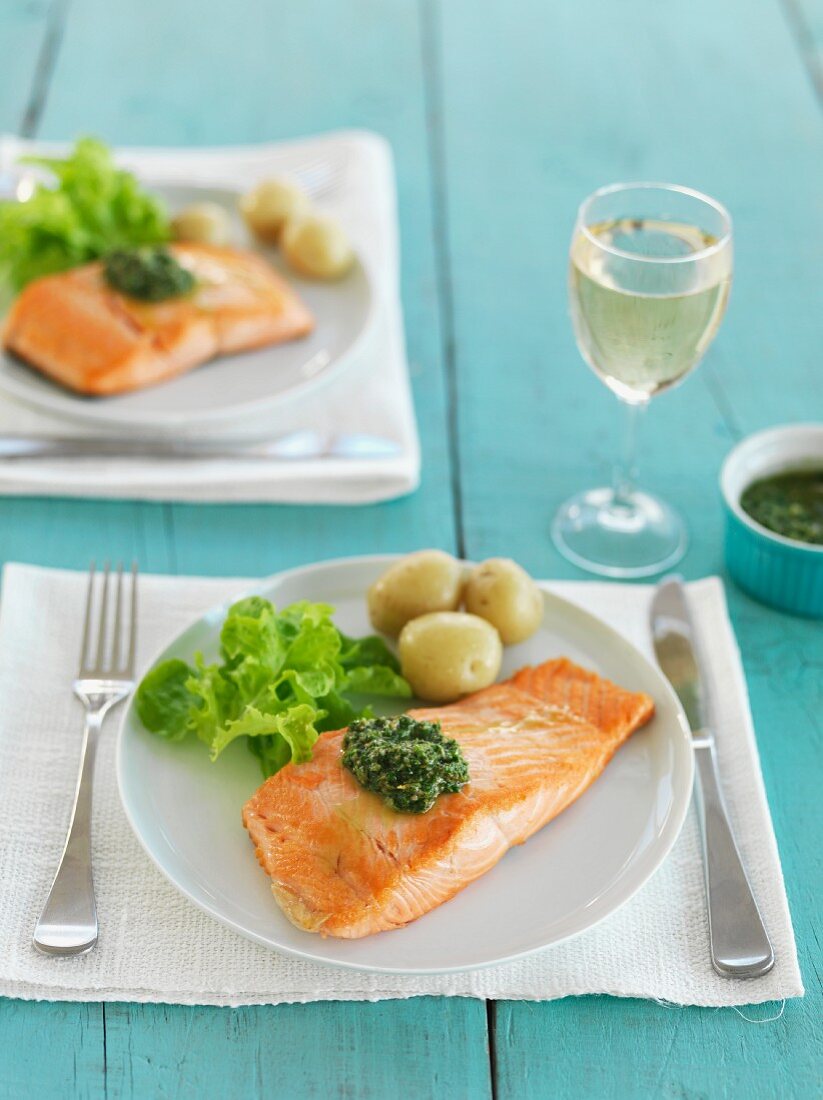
x=409, y=763
x=148, y=274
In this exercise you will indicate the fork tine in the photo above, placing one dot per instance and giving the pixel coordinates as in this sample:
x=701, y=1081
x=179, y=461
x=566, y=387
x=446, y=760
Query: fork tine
x=319, y=184
x=129, y=665
x=101, y=634
x=84, y=648
x=322, y=175
x=118, y=605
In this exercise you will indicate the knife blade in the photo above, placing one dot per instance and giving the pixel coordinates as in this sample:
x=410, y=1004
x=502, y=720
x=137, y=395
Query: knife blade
x=294, y=446
x=739, y=944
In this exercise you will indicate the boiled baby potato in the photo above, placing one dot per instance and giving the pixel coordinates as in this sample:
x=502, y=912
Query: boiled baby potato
x=504, y=594
x=317, y=247
x=428, y=580
x=202, y=223
x=448, y=654
x=269, y=205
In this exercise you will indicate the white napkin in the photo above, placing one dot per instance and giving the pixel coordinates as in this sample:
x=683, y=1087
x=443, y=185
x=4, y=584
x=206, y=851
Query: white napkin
x=372, y=396
x=156, y=946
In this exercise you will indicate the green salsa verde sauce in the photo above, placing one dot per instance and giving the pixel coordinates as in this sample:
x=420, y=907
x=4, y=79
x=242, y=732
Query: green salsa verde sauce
x=148, y=274
x=790, y=504
x=407, y=762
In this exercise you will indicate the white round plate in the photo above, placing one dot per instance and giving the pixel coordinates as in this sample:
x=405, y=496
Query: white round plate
x=233, y=388
x=573, y=873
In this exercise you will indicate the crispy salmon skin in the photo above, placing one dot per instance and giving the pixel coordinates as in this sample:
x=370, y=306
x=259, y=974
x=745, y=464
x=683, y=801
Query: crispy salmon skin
x=80, y=332
x=343, y=863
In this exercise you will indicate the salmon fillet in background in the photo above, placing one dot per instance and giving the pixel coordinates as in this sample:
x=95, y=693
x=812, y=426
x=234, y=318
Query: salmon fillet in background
x=343, y=863
x=76, y=329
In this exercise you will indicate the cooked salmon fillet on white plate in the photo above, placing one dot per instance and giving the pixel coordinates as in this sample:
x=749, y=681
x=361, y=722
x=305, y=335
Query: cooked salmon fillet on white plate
x=343, y=863
x=79, y=331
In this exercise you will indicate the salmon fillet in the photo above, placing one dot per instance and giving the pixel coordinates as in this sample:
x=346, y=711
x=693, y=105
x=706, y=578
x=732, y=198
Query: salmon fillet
x=76, y=329
x=343, y=863
x=599, y=701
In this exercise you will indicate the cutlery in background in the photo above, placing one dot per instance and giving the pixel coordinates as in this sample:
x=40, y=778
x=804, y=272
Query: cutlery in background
x=68, y=923
x=740, y=946
x=318, y=176
x=292, y=447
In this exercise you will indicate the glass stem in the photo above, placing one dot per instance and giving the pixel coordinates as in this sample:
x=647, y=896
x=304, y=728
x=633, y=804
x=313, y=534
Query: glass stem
x=624, y=483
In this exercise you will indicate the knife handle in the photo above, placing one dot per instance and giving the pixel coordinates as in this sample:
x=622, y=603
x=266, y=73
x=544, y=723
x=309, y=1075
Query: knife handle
x=740, y=946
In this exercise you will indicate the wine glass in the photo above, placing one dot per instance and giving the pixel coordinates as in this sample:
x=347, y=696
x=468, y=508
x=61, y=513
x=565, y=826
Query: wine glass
x=649, y=277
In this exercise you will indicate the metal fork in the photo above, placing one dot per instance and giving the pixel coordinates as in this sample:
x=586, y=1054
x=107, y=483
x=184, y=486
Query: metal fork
x=68, y=923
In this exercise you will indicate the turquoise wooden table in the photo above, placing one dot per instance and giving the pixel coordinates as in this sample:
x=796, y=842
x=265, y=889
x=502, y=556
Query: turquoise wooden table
x=502, y=116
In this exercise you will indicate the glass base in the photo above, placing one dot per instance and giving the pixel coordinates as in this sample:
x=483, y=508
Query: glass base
x=618, y=540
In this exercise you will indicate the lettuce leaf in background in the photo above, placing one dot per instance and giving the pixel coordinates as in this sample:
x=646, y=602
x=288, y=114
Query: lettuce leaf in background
x=283, y=678
x=291, y=728
x=92, y=208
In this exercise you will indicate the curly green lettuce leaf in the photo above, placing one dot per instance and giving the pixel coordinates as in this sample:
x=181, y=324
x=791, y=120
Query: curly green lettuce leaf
x=339, y=712
x=294, y=724
x=273, y=752
x=377, y=680
x=366, y=652
x=217, y=699
x=282, y=679
x=252, y=631
x=91, y=208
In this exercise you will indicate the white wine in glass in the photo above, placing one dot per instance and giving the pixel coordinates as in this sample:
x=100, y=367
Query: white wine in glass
x=649, y=277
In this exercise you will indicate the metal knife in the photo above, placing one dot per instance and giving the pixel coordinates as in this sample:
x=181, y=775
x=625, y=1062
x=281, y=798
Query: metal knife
x=293, y=447
x=740, y=946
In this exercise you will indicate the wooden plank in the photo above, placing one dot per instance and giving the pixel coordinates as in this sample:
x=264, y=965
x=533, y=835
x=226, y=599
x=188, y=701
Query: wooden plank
x=26, y=31
x=50, y=1051
x=257, y=75
x=573, y=96
x=71, y=533
x=426, y=1047
x=806, y=20
x=608, y=1048
x=55, y=533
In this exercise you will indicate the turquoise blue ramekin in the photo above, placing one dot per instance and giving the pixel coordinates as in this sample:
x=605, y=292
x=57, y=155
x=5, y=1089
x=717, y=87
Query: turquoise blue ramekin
x=777, y=571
